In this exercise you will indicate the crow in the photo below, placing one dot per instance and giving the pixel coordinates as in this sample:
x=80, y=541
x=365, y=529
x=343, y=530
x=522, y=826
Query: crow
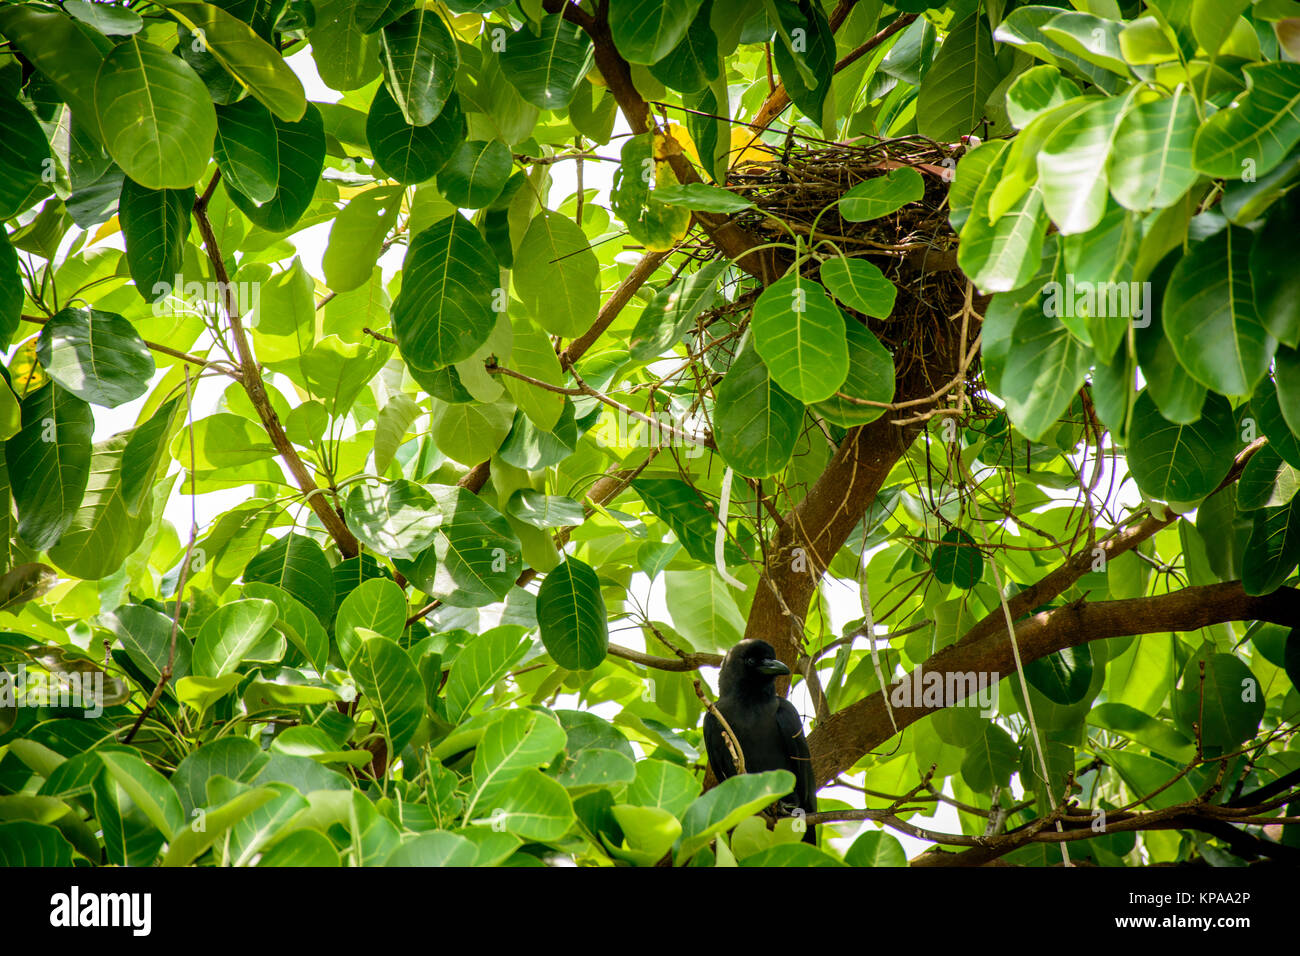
x=767, y=728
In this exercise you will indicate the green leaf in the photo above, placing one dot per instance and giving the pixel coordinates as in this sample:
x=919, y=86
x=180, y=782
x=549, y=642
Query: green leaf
x=957, y=560
x=155, y=223
x=412, y=154
x=229, y=633
x=252, y=61
x=439, y=848
x=145, y=634
x=190, y=843
x=860, y=285
x=49, y=463
x=533, y=807
x=871, y=378
x=392, y=688
x=1044, y=367
x=1072, y=166
x=470, y=432
x=1181, y=462
x=475, y=173
x=97, y=356
x=300, y=154
x=1004, y=255
x=991, y=760
x=556, y=275
x=532, y=354
x=791, y=854
x=520, y=740
x=702, y=197
x=804, y=55
x=546, y=67
x=479, y=665
x=1158, y=735
x=101, y=533
x=648, y=833
x=1151, y=165
x=247, y=149
x=646, y=31
x=377, y=605
x=67, y=53
x=347, y=58
x=684, y=510
x=24, y=159
x=1273, y=548
x=301, y=848
x=477, y=554
x=1227, y=705
x=875, y=848
x=155, y=114
x=664, y=786
x=297, y=564
x=544, y=511
x=1276, y=284
x=673, y=310
x=726, y=805
x=148, y=789
x=420, y=61
x=756, y=423
x=1034, y=92
x=1155, y=782
x=693, y=64
x=1254, y=136
x=950, y=101
x=114, y=21
x=399, y=519
x=23, y=843
x=444, y=311
x=800, y=334
x=571, y=615
x=1210, y=318
x=357, y=237
x=881, y=195
x=1063, y=677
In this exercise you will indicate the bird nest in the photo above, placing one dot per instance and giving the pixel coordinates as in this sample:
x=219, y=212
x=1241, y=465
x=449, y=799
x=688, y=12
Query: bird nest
x=914, y=247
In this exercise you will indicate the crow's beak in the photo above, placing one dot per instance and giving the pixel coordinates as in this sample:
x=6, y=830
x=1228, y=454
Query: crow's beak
x=771, y=668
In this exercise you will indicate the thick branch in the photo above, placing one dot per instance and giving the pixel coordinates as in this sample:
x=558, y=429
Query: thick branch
x=838, y=743
x=251, y=379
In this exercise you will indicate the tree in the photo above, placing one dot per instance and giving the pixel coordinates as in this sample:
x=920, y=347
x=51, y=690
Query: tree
x=979, y=315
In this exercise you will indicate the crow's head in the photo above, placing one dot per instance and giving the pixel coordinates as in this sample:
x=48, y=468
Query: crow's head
x=750, y=668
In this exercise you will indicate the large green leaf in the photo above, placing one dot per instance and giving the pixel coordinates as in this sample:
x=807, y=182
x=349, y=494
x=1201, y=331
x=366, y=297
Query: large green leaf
x=378, y=605
x=97, y=356
x=519, y=740
x=646, y=31
x=392, y=688
x=145, y=634
x=67, y=53
x=254, y=63
x=102, y=533
x=24, y=843
x=1044, y=367
x=480, y=664
x=533, y=807
x=155, y=114
x=475, y=558
x=296, y=563
x=1253, y=137
x=571, y=615
x=1210, y=317
x=247, y=149
x=1227, y=704
x=1181, y=462
x=229, y=633
x=673, y=310
x=445, y=309
x=1151, y=165
x=800, y=335
x=398, y=520
x=726, y=805
x=804, y=55
x=25, y=159
x=879, y=196
x=547, y=65
x=1073, y=163
x=475, y=173
x=951, y=99
x=300, y=154
x=420, y=60
x=412, y=154
x=148, y=789
x=357, y=237
x=556, y=274
x=49, y=463
x=155, y=223
x=871, y=379
x=682, y=507
x=756, y=424
x=1273, y=549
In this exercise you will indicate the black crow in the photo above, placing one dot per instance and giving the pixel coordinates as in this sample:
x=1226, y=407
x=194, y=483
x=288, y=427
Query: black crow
x=767, y=728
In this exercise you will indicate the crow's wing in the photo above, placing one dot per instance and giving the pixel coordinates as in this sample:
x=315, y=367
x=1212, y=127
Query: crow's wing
x=716, y=746
x=797, y=756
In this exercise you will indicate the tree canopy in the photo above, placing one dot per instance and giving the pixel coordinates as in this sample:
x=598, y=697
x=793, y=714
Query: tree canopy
x=405, y=406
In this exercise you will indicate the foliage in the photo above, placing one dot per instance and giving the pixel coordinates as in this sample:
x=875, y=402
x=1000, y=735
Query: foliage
x=349, y=545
